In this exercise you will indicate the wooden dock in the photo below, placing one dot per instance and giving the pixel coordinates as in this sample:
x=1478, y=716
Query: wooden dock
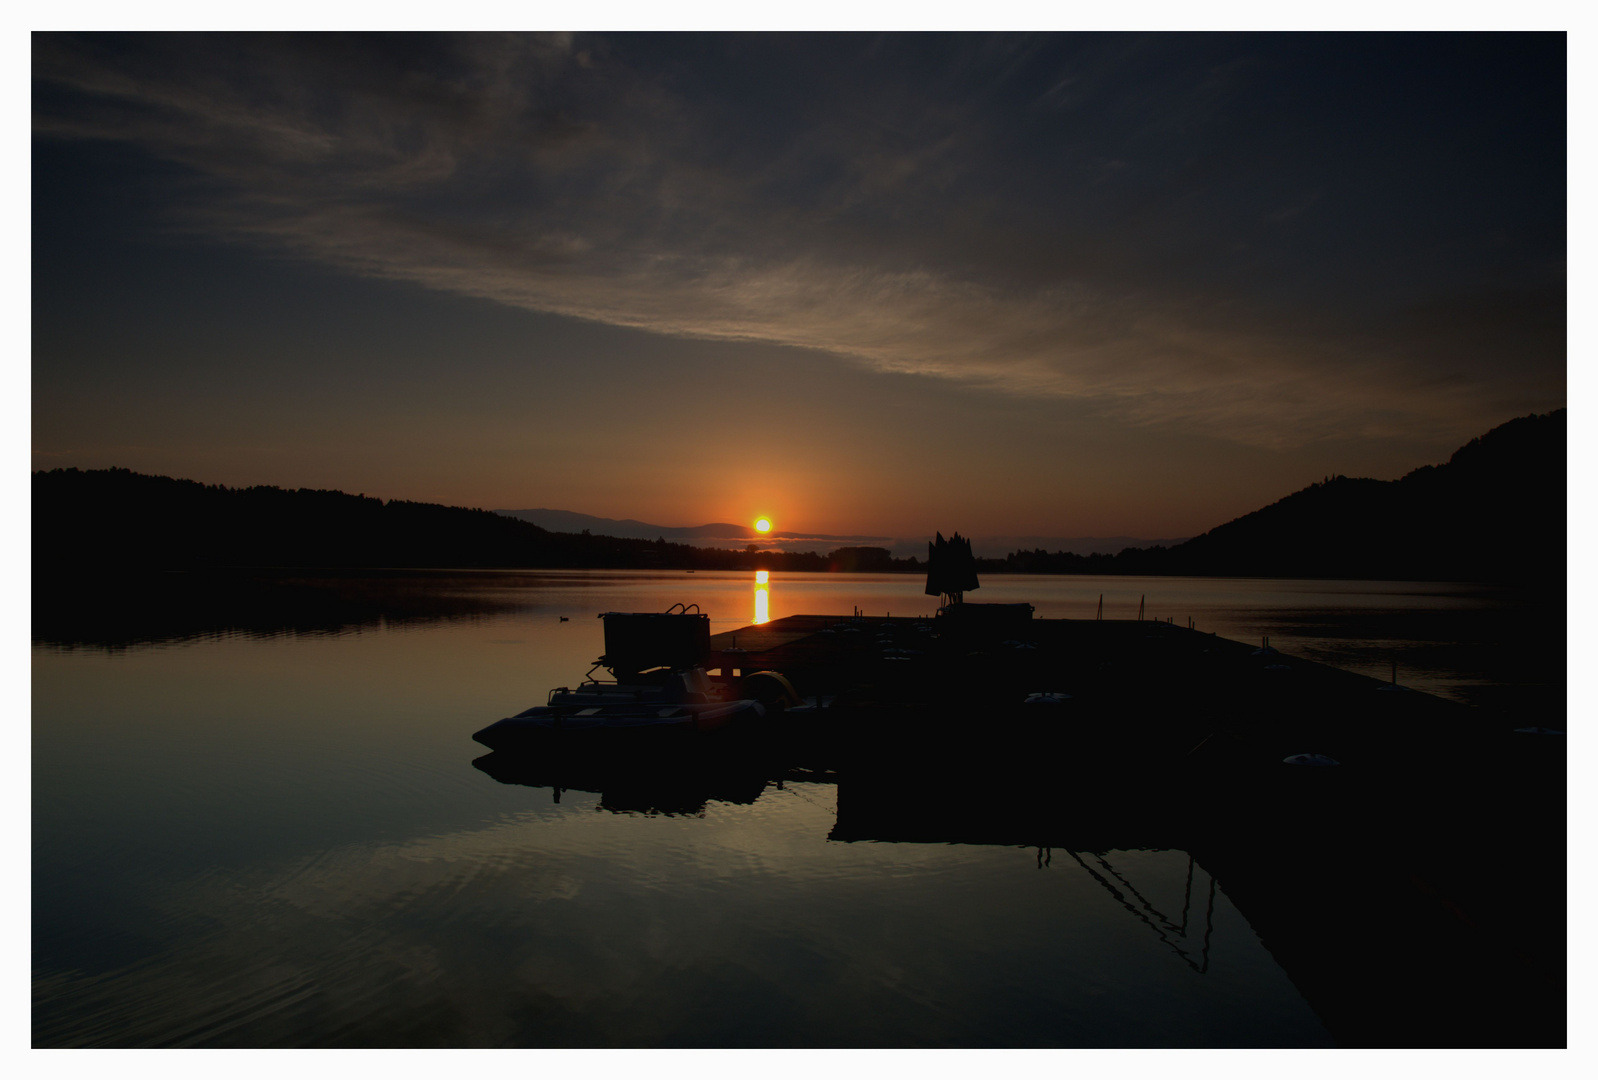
x=1414, y=891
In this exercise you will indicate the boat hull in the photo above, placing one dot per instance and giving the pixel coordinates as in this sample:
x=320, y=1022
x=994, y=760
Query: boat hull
x=621, y=722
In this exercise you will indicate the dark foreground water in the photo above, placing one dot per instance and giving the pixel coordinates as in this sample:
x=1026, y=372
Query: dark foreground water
x=273, y=835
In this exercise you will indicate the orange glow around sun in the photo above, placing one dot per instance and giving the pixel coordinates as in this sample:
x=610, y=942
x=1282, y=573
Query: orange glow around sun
x=763, y=525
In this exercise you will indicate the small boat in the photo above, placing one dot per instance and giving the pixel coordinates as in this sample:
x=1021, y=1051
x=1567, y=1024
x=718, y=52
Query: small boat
x=679, y=701
x=658, y=686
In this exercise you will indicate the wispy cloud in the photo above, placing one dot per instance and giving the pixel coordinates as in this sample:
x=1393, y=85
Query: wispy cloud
x=879, y=219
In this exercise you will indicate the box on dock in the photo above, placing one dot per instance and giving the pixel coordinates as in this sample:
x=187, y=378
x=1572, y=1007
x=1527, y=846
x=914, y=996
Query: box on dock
x=636, y=642
x=984, y=620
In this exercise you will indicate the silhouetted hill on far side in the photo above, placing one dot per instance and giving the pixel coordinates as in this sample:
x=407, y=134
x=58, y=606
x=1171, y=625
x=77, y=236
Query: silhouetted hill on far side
x=118, y=517
x=1494, y=511
x=114, y=520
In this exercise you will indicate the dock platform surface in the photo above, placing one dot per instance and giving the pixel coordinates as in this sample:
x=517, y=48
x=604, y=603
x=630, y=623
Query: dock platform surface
x=1414, y=891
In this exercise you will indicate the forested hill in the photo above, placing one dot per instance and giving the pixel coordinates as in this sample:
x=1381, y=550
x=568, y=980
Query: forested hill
x=1494, y=511
x=117, y=520
x=118, y=517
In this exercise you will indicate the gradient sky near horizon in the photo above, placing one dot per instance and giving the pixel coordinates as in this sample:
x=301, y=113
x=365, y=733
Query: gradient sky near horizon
x=1063, y=285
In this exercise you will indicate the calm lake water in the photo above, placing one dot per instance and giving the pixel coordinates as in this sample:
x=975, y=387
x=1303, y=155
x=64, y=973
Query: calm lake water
x=258, y=837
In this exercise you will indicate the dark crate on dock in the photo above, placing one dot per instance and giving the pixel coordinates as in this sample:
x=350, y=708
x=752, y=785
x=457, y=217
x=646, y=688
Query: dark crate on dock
x=637, y=642
x=985, y=620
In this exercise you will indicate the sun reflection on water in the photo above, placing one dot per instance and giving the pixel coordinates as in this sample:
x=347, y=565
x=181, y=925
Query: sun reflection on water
x=762, y=597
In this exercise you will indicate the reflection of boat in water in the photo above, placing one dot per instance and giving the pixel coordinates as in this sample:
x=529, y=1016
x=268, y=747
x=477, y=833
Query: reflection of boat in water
x=635, y=783
x=659, y=687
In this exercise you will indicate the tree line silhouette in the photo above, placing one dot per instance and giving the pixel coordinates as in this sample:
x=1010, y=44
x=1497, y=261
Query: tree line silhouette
x=1494, y=511
x=116, y=519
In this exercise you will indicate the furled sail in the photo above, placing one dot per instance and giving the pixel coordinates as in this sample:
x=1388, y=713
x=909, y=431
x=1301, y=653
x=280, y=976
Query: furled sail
x=951, y=568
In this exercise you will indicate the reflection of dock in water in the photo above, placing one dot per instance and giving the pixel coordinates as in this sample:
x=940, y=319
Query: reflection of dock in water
x=1171, y=932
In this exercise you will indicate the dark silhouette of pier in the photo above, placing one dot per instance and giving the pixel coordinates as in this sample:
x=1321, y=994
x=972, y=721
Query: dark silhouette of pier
x=1414, y=892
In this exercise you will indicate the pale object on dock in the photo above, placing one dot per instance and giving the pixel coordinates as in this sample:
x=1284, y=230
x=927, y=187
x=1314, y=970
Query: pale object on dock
x=1317, y=760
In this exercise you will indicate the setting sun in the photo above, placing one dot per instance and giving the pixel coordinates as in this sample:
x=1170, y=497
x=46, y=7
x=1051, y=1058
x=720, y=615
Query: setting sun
x=763, y=525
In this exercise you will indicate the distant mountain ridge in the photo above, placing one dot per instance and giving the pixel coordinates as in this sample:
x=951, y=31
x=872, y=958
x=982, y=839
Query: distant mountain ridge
x=569, y=521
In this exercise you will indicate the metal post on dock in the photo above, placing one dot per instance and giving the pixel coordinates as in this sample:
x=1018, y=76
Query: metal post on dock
x=1100, y=616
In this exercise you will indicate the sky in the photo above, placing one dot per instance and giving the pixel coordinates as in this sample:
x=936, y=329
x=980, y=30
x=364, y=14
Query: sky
x=1071, y=285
